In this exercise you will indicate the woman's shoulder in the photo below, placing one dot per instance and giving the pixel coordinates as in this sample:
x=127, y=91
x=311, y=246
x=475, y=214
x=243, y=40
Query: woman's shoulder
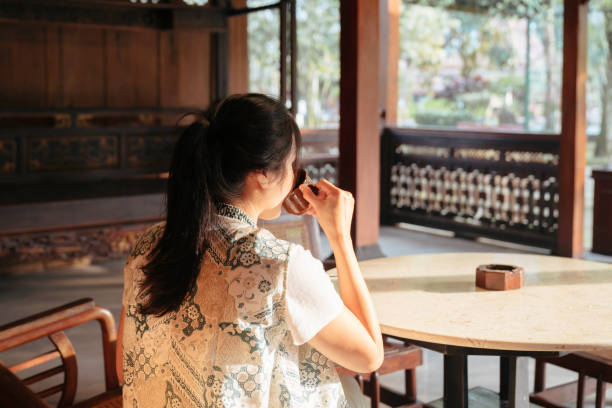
x=262, y=244
x=148, y=239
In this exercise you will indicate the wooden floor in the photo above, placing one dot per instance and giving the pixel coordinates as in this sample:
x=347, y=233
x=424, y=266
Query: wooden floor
x=21, y=295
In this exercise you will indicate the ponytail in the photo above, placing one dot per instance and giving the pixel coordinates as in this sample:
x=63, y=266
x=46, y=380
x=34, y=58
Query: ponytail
x=210, y=162
x=175, y=262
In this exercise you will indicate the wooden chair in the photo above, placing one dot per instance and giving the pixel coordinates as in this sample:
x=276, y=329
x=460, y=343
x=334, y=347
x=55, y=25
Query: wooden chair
x=304, y=230
x=15, y=391
x=594, y=372
x=398, y=356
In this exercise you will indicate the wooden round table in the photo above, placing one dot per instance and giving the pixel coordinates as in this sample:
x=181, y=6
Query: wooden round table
x=431, y=300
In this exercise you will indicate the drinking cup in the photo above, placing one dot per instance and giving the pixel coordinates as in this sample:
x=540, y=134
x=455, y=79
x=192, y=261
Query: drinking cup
x=295, y=203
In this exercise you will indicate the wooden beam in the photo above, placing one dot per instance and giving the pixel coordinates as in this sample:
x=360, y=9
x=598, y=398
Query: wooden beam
x=359, y=161
x=572, y=159
x=293, y=55
x=57, y=13
x=124, y=16
x=207, y=19
x=238, y=75
x=220, y=55
x=389, y=59
x=283, y=52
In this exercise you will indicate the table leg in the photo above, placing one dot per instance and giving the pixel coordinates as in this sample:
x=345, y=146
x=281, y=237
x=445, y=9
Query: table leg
x=455, y=381
x=514, y=381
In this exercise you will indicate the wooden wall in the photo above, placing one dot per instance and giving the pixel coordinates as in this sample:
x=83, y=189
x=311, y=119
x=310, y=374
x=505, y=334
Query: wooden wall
x=238, y=55
x=56, y=66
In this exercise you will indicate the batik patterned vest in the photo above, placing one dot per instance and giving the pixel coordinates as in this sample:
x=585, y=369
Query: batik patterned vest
x=229, y=344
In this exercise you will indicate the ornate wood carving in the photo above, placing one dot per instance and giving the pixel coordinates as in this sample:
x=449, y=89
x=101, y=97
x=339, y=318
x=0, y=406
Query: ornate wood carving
x=501, y=186
x=45, y=249
x=146, y=151
x=82, y=14
x=8, y=155
x=52, y=153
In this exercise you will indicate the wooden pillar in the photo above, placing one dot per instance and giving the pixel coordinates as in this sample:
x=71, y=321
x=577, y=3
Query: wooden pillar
x=238, y=53
x=359, y=161
x=573, y=129
x=389, y=59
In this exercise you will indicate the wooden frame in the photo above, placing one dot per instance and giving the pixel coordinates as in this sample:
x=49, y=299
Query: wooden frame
x=573, y=113
x=359, y=161
x=594, y=374
x=573, y=129
x=51, y=324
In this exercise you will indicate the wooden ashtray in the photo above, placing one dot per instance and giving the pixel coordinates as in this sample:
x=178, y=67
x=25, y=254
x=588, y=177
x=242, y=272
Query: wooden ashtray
x=499, y=277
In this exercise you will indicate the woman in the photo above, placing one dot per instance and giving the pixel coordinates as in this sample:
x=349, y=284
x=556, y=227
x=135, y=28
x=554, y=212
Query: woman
x=218, y=312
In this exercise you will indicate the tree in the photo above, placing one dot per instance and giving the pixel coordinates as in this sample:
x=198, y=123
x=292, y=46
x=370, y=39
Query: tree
x=545, y=28
x=318, y=25
x=318, y=28
x=264, y=52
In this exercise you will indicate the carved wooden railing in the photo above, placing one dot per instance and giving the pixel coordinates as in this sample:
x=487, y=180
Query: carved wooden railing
x=320, y=153
x=497, y=185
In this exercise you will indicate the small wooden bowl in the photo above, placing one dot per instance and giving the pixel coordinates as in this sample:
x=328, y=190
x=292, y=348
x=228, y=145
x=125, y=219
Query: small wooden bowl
x=499, y=277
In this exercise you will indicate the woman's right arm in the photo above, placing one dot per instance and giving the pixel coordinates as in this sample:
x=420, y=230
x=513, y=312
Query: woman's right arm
x=353, y=339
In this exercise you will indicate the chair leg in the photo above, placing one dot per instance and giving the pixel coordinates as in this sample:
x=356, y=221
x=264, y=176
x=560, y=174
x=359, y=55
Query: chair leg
x=600, y=396
x=374, y=390
x=410, y=379
x=580, y=395
x=540, y=376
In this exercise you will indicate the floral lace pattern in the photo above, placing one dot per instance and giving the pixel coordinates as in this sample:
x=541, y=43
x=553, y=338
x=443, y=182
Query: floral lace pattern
x=216, y=349
x=230, y=211
x=147, y=240
x=191, y=314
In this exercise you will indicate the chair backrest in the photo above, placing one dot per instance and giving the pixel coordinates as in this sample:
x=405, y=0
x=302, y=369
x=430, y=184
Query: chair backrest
x=14, y=393
x=303, y=230
x=51, y=324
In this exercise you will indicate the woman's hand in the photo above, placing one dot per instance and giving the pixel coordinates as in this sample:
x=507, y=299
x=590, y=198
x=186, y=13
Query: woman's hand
x=333, y=208
x=364, y=352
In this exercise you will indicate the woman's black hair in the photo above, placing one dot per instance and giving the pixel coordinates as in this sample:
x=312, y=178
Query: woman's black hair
x=210, y=162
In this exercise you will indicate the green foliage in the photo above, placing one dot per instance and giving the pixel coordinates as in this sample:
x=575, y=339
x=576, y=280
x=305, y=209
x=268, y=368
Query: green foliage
x=439, y=104
x=511, y=83
x=440, y=112
x=264, y=55
x=441, y=117
x=474, y=100
x=318, y=34
x=514, y=8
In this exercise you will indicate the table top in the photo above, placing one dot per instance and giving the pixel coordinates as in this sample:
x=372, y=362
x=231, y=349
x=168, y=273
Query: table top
x=565, y=304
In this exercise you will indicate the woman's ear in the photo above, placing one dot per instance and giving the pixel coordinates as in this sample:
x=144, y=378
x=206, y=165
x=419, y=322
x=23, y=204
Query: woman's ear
x=262, y=178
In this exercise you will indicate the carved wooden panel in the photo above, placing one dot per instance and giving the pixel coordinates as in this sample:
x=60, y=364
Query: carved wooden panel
x=8, y=155
x=35, y=120
x=63, y=152
x=42, y=250
x=149, y=151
